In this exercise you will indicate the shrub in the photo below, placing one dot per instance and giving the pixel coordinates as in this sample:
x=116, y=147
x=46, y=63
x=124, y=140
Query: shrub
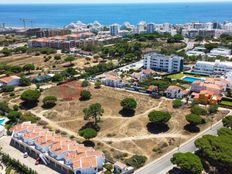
x=227, y=121
x=198, y=110
x=15, y=107
x=8, y=89
x=85, y=83
x=24, y=81
x=57, y=57
x=177, y=103
x=14, y=116
x=85, y=95
x=88, y=133
x=57, y=78
x=98, y=84
x=213, y=109
x=136, y=161
x=4, y=108
x=49, y=101
x=29, y=117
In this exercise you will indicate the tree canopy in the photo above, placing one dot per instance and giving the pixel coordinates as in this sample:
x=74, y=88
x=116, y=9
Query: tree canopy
x=85, y=83
x=194, y=119
x=57, y=78
x=94, y=111
x=129, y=103
x=49, y=101
x=88, y=133
x=177, y=103
x=28, y=67
x=198, y=110
x=14, y=115
x=159, y=117
x=30, y=96
x=217, y=150
x=85, y=95
x=227, y=121
x=188, y=162
x=24, y=81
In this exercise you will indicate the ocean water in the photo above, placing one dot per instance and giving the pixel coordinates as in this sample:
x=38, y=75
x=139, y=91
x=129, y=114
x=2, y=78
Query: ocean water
x=60, y=15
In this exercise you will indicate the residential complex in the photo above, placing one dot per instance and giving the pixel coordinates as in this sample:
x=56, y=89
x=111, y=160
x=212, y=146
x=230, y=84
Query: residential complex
x=209, y=91
x=60, y=153
x=159, y=62
x=68, y=42
x=212, y=68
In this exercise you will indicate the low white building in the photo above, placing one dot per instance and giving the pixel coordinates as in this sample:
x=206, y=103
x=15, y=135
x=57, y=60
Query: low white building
x=174, y=92
x=220, y=52
x=195, y=53
x=10, y=81
x=122, y=168
x=212, y=68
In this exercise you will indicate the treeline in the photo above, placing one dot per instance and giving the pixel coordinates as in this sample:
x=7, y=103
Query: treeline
x=98, y=69
x=15, y=164
x=213, y=153
x=124, y=51
x=25, y=49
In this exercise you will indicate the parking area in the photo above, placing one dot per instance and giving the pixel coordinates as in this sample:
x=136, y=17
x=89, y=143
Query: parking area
x=18, y=155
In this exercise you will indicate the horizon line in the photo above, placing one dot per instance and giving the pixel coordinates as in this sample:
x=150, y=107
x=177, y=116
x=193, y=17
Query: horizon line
x=95, y=3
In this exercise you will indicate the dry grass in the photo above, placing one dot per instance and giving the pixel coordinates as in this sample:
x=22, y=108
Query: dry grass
x=120, y=135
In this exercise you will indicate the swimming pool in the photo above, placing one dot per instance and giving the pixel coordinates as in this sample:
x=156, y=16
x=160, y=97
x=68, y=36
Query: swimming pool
x=3, y=121
x=191, y=79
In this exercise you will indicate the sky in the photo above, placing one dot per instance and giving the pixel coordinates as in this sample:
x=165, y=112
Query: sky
x=103, y=1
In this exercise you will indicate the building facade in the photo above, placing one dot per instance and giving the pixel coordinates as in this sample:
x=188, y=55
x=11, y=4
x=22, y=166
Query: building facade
x=114, y=30
x=159, y=62
x=212, y=68
x=60, y=153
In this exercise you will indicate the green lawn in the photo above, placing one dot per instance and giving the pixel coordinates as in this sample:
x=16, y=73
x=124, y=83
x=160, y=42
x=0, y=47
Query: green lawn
x=226, y=103
x=176, y=76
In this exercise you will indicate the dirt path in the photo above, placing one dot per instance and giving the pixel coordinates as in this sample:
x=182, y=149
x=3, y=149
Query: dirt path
x=143, y=137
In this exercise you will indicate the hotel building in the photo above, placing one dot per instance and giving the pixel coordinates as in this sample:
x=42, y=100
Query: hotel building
x=160, y=62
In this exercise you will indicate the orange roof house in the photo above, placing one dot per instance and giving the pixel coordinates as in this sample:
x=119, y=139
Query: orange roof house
x=65, y=153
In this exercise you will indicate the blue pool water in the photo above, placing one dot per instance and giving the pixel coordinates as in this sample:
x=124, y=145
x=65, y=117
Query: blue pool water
x=2, y=121
x=191, y=79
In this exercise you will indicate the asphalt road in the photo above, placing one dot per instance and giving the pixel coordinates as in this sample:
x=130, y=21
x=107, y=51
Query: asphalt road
x=163, y=164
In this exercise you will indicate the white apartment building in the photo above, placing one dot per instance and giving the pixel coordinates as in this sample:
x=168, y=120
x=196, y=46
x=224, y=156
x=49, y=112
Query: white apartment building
x=160, y=62
x=150, y=28
x=212, y=68
x=141, y=27
x=220, y=52
x=114, y=30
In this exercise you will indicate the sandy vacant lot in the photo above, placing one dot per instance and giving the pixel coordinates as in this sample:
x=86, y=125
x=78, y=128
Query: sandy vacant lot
x=119, y=136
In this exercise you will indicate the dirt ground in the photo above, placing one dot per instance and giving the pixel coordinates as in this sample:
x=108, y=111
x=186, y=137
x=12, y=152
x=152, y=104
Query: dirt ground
x=119, y=136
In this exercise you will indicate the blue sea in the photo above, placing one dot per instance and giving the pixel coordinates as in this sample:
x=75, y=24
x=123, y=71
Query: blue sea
x=62, y=14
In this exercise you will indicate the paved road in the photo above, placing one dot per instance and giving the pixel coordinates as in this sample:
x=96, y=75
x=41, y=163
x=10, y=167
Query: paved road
x=163, y=164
